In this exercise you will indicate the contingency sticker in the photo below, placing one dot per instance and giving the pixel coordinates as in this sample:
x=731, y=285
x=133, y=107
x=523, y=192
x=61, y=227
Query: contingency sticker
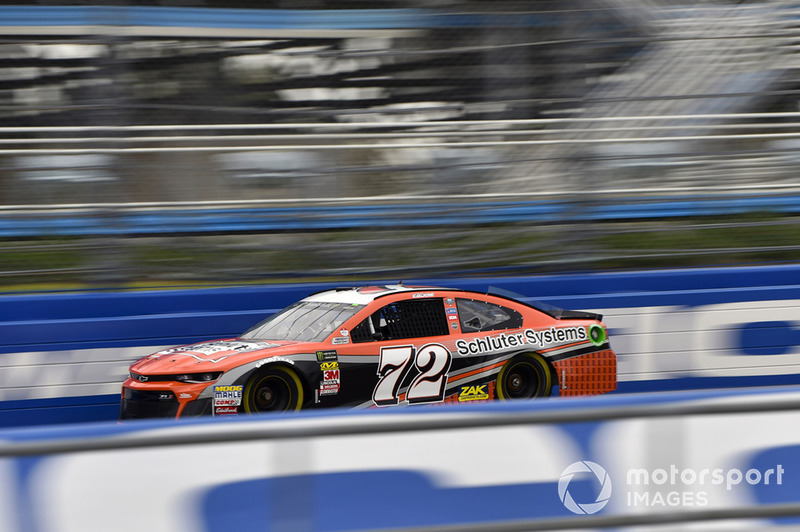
x=330, y=382
x=479, y=392
x=227, y=400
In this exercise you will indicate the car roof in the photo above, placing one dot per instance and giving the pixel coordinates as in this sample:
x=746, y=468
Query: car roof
x=362, y=295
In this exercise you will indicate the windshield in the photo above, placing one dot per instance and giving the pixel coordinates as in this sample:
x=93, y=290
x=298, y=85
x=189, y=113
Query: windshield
x=304, y=321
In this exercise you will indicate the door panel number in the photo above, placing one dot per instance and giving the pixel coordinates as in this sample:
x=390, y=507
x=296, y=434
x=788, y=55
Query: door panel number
x=432, y=362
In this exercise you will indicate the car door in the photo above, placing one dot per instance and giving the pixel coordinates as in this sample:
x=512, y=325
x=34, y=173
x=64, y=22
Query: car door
x=403, y=340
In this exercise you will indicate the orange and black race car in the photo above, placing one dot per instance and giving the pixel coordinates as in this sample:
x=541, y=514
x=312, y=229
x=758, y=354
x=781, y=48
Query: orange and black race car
x=379, y=346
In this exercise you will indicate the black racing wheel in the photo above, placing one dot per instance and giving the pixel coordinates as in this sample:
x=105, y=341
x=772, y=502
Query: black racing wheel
x=277, y=389
x=523, y=377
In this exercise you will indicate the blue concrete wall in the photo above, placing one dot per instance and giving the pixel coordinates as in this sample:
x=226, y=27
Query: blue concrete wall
x=63, y=356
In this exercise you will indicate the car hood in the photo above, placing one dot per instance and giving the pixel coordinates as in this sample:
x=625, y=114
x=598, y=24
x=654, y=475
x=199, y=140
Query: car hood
x=217, y=355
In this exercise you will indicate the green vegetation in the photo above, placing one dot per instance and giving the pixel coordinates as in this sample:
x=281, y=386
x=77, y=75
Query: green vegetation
x=104, y=263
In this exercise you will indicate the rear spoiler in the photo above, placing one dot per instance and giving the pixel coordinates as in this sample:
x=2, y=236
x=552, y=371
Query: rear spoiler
x=551, y=310
x=577, y=315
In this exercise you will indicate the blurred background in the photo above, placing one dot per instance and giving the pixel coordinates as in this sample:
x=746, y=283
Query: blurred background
x=218, y=142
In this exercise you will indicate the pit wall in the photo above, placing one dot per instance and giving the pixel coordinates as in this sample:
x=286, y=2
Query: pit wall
x=63, y=356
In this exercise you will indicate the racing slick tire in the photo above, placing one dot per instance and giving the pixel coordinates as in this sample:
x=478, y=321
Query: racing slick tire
x=523, y=377
x=277, y=389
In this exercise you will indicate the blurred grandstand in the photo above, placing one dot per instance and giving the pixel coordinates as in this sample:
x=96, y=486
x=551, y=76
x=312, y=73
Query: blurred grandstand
x=201, y=143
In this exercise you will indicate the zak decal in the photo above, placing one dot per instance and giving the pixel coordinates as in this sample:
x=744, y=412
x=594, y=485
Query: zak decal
x=479, y=392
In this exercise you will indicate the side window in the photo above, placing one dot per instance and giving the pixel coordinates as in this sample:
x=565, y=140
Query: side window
x=478, y=316
x=415, y=318
x=362, y=332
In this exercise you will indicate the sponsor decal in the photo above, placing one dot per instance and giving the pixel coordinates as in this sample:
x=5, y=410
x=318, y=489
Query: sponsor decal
x=211, y=348
x=340, y=340
x=324, y=366
x=272, y=360
x=204, y=351
x=328, y=389
x=538, y=338
x=452, y=310
x=449, y=301
x=330, y=381
x=325, y=356
x=454, y=325
x=479, y=392
x=422, y=294
x=226, y=411
x=186, y=396
x=344, y=332
x=227, y=396
x=452, y=317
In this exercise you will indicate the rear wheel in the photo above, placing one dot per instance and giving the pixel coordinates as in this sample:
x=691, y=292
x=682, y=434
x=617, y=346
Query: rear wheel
x=523, y=377
x=277, y=389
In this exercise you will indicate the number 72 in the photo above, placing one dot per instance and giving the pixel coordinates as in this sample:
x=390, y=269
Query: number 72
x=432, y=362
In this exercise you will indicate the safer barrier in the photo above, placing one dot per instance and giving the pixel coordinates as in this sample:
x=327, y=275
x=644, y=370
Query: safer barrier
x=607, y=461
x=64, y=356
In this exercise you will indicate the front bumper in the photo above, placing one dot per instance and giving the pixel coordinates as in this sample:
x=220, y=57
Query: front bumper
x=162, y=400
x=142, y=404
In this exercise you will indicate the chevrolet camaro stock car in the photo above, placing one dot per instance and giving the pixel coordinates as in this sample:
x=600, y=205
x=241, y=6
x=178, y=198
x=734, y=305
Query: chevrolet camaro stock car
x=379, y=346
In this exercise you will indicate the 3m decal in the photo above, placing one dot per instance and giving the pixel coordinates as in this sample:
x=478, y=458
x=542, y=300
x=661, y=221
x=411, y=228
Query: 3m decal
x=330, y=381
x=432, y=363
x=478, y=392
x=538, y=338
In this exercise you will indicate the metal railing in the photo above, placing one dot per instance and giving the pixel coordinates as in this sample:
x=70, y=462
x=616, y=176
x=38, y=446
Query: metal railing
x=277, y=428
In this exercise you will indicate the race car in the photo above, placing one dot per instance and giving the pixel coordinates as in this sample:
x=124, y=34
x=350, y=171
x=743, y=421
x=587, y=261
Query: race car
x=379, y=346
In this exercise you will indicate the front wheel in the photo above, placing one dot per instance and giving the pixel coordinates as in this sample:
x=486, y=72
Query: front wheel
x=524, y=377
x=277, y=389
